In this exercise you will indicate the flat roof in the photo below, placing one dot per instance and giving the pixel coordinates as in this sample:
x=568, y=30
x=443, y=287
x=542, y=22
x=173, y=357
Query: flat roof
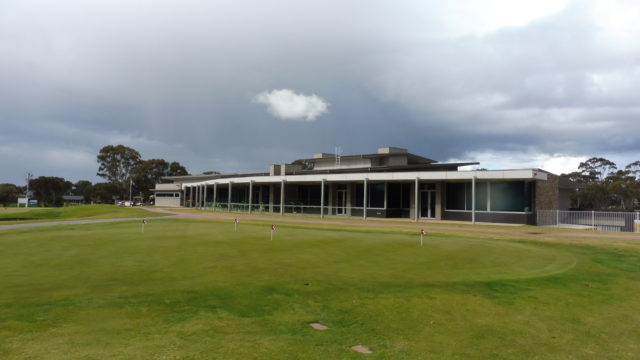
x=519, y=174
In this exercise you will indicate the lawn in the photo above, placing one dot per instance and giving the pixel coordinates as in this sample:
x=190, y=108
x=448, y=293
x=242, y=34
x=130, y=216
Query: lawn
x=195, y=289
x=20, y=215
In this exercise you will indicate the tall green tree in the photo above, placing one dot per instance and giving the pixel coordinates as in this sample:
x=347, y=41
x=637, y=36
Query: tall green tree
x=8, y=194
x=83, y=188
x=49, y=189
x=105, y=192
x=150, y=172
x=117, y=164
x=634, y=169
x=596, y=169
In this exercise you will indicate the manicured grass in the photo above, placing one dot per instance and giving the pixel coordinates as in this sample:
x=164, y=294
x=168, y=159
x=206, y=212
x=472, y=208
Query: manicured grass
x=17, y=215
x=195, y=289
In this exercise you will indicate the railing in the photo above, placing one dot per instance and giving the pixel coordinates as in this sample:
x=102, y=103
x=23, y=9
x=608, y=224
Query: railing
x=289, y=209
x=595, y=220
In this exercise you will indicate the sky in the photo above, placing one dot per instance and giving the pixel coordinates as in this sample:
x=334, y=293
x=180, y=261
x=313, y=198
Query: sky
x=234, y=86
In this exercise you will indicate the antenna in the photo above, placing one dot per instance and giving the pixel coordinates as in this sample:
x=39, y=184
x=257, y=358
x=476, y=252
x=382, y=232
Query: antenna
x=338, y=153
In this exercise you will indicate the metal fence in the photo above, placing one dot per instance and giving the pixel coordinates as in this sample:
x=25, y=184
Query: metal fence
x=595, y=220
x=289, y=209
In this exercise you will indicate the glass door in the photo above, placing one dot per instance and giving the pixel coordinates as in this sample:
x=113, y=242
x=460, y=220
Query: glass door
x=428, y=204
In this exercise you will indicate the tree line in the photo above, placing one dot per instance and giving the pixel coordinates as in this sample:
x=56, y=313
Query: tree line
x=602, y=186
x=123, y=169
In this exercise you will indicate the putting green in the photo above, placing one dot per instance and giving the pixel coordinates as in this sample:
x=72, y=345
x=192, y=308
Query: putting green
x=195, y=254
x=197, y=289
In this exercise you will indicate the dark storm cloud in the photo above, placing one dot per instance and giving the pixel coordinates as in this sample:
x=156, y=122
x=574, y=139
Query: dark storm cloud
x=178, y=81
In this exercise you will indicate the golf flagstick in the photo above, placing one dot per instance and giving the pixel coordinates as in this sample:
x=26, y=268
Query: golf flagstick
x=421, y=237
x=273, y=228
x=144, y=221
x=235, y=224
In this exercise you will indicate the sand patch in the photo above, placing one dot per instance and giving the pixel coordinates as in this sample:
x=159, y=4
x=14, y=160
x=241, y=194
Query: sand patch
x=361, y=349
x=319, y=326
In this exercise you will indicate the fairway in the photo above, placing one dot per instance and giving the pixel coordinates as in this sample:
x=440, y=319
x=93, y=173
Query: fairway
x=195, y=289
x=36, y=214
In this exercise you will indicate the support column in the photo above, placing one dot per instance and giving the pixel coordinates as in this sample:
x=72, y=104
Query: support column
x=385, y=198
x=364, y=202
x=330, y=207
x=184, y=197
x=250, y=195
x=282, y=197
x=190, y=196
x=229, y=198
x=322, y=198
x=204, y=198
x=473, y=200
x=215, y=194
x=415, y=200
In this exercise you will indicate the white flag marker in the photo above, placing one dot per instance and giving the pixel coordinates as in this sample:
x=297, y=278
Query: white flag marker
x=273, y=228
x=235, y=224
x=421, y=236
x=144, y=221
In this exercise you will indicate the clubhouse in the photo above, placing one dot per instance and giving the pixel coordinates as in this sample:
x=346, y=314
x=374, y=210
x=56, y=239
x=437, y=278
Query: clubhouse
x=391, y=183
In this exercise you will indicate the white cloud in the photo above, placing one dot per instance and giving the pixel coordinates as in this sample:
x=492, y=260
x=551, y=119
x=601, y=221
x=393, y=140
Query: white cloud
x=287, y=105
x=493, y=160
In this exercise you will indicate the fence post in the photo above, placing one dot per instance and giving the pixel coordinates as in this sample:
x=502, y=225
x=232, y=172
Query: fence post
x=558, y=217
x=593, y=220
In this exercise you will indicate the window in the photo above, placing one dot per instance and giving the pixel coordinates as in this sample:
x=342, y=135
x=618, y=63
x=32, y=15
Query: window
x=456, y=193
x=375, y=196
x=167, y=195
x=511, y=196
x=514, y=196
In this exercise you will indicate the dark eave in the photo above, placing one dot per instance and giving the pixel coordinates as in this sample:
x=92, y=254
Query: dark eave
x=413, y=158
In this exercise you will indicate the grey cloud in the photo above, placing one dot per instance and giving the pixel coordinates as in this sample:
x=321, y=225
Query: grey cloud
x=176, y=81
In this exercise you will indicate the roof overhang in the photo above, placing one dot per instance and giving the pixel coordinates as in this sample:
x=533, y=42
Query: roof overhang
x=523, y=174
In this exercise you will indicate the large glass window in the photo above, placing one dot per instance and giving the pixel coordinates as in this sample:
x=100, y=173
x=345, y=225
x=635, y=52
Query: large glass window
x=456, y=193
x=375, y=197
x=511, y=196
x=490, y=196
x=481, y=195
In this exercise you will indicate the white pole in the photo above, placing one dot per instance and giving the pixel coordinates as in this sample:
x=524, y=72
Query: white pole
x=322, y=198
x=473, y=200
x=364, y=202
x=29, y=176
x=282, y=197
x=229, y=198
x=215, y=193
x=250, y=195
x=421, y=239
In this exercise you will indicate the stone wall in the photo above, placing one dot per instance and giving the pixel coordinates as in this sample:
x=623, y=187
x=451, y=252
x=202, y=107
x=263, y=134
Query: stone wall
x=547, y=193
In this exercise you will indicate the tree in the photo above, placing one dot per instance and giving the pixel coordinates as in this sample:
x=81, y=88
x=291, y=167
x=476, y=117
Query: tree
x=104, y=192
x=596, y=169
x=634, y=169
x=117, y=164
x=150, y=172
x=49, y=189
x=8, y=194
x=83, y=188
x=622, y=188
